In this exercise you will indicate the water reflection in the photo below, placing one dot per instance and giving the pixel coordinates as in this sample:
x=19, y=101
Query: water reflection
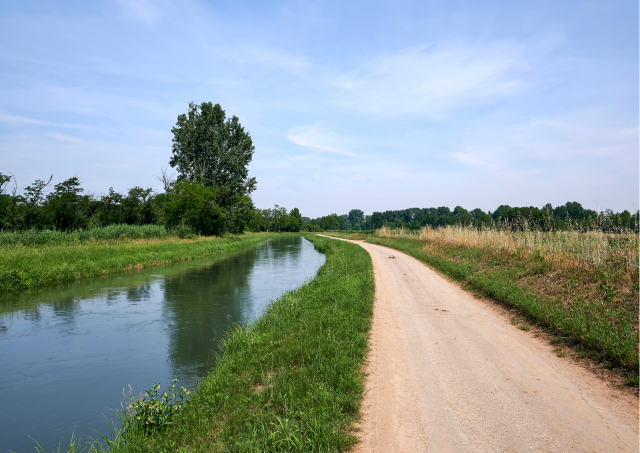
x=66, y=352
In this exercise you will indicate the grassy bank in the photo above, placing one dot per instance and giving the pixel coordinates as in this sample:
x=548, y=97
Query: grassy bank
x=291, y=381
x=32, y=238
x=590, y=300
x=24, y=267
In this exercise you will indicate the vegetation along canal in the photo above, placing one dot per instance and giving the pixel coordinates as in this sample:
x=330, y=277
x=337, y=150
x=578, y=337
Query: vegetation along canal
x=67, y=351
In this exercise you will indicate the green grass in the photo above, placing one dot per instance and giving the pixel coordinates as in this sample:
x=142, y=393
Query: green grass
x=566, y=301
x=112, y=232
x=291, y=381
x=25, y=267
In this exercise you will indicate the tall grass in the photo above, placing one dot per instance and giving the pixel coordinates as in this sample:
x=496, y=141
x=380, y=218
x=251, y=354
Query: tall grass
x=109, y=233
x=615, y=253
x=25, y=267
x=582, y=284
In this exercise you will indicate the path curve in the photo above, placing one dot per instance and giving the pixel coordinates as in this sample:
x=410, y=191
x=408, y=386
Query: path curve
x=447, y=373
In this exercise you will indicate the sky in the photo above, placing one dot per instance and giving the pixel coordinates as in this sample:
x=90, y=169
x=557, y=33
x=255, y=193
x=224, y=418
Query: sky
x=371, y=105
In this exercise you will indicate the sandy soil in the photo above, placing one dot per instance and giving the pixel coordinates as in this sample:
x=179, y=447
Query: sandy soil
x=448, y=373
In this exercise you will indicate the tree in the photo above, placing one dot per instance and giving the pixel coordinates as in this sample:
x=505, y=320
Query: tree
x=212, y=150
x=356, y=216
x=296, y=220
x=330, y=222
x=34, y=196
x=192, y=204
x=377, y=220
x=64, y=202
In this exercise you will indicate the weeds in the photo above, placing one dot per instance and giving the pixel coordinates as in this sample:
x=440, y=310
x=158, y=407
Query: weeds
x=560, y=352
x=154, y=411
x=632, y=380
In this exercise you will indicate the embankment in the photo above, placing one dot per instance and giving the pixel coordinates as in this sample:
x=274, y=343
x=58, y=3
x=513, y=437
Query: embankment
x=292, y=380
x=24, y=267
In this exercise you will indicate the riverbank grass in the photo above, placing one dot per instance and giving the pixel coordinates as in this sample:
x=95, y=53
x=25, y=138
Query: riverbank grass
x=24, y=267
x=593, y=305
x=292, y=380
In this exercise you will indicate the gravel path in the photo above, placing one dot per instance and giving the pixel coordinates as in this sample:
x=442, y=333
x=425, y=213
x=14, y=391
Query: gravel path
x=449, y=373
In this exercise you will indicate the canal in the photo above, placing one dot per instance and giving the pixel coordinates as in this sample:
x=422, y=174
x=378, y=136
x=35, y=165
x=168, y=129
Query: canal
x=67, y=352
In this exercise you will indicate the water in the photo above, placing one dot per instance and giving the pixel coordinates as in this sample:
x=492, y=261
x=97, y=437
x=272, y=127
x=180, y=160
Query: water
x=67, y=352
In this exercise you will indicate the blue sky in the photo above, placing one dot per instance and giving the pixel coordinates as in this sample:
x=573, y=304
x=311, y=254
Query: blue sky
x=372, y=105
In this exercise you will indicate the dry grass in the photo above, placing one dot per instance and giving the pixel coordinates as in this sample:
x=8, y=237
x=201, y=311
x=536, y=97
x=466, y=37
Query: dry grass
x=616, y=254
x=582, y=285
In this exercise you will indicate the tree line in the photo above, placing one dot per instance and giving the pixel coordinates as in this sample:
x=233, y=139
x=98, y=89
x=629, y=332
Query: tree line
x=547, y=218
x=210, y=191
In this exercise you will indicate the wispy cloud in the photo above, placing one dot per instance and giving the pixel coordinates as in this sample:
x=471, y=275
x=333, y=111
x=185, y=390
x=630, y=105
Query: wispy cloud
x=320, y=138
x=15, y=119
x=432, y=81
x=63, y=137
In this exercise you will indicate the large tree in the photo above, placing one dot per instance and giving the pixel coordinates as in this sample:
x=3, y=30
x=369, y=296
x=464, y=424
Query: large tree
x=211, y=150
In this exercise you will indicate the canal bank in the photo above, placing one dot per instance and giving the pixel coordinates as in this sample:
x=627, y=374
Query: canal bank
x=72, y=348
x=26, y=267
x=291, y=381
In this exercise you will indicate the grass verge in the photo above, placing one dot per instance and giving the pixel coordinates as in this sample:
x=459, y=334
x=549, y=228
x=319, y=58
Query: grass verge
x=292, y=380
x=23, y=267
x=593, y=309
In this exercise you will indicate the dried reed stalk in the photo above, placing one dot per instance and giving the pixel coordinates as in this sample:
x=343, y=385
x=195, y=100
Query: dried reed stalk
x=614, y=252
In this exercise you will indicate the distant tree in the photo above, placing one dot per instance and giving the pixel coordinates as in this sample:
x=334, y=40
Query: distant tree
x=330, y=222
x=502, y=209
x=34, y=197
x=356, y=216
x=625, y=219
x=296, y=220
x=4, y=181
x=137, y=206
x=459, y=211
x=211, y=150
x=377, y=220
x=64, y=204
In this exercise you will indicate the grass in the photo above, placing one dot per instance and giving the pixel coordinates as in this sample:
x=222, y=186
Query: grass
x=291, y=381
x=24, y=267
x=575, y=286
x=109, y=233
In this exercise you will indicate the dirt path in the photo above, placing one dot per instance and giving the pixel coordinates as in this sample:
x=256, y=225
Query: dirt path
x=448, y=373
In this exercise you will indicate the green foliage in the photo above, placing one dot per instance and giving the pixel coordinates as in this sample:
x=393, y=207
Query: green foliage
x=212, y=150
x=568, y=216
x=51, y=263
x=330, y=222
x=32, y=238
x=195, y=205
x=276, y=219
x=154, y=411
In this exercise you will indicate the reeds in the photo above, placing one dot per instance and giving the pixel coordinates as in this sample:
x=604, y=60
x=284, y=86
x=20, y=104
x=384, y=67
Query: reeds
x=31, y=238
x=614, y=253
